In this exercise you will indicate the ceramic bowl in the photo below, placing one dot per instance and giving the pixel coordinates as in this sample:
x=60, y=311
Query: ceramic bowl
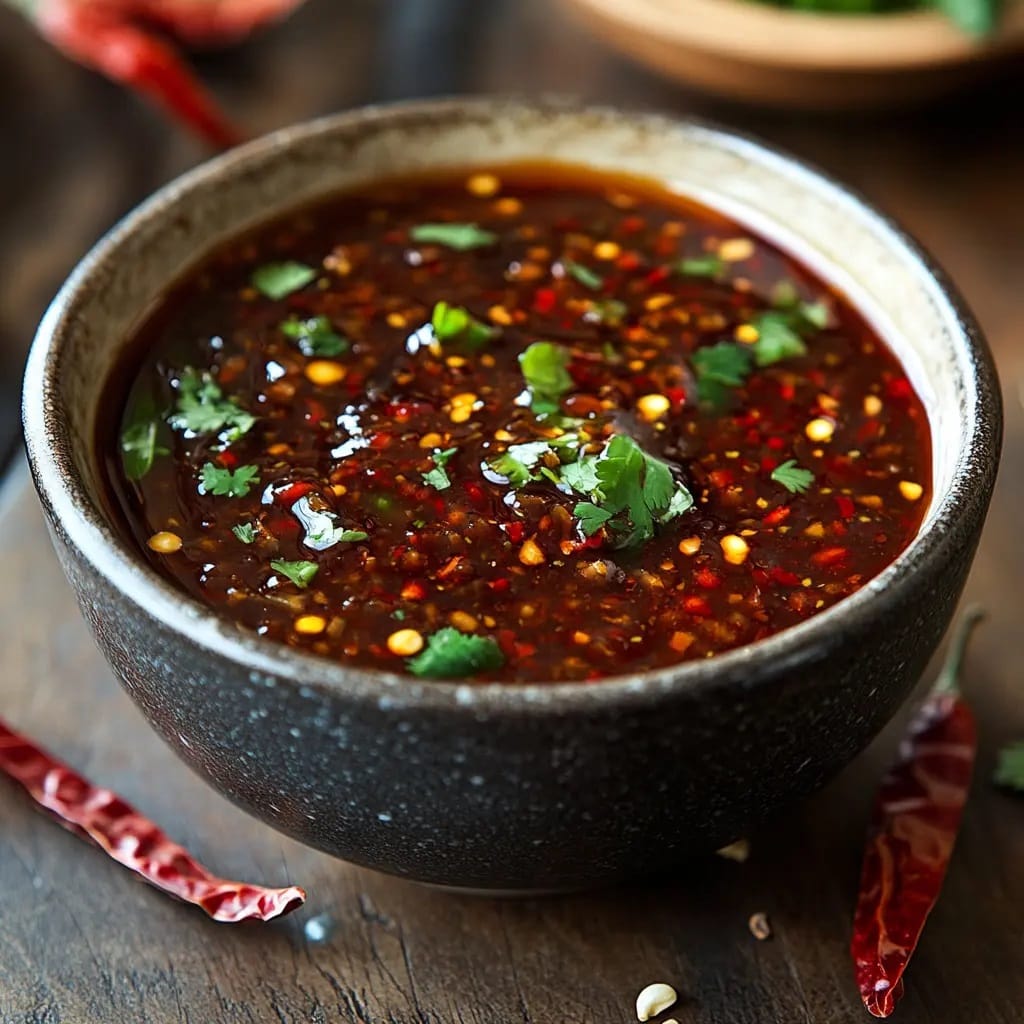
x=500, y=786
x=763, y=54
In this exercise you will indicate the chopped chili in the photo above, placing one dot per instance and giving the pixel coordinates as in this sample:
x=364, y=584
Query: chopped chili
x=913, y=829
x=507, y=427
x=102, y=817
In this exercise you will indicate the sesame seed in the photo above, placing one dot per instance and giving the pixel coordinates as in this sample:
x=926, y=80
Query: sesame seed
x=405, y=642
x=910, y=490
x=820, y=430
x=164, y=542
x=652, y=407
x=310, y=625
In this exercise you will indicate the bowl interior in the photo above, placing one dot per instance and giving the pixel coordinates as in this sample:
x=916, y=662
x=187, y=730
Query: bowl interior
x=845, y=242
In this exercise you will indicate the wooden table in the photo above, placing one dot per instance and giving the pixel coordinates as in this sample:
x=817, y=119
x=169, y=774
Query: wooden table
x=82, y=943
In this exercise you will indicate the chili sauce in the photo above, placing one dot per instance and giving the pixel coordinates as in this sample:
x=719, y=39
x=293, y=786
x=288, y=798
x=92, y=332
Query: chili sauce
x=526, y=423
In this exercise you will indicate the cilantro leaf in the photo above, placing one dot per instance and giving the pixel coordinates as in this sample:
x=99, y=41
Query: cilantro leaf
x=438, y=477
x=225, y=483
x=353, y=536
x=544, y=368
x=245, y=532
x=139, y=448
x=203, y=409
x=719, y=368
x=315, y=336
x=452, y=323
x=461, y=237
x=586, y=277
x=792, y=477
x=1010, y=768
x=450, y=654
x=518, y=461
x=680, y=502
x=300, y=573
x=592, y=517
x=700, y=266
x=581, y=476
x=777, y=340
x=279, y=280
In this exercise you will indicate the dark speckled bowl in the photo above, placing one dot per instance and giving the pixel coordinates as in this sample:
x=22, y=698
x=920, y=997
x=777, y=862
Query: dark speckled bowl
x=505, y=786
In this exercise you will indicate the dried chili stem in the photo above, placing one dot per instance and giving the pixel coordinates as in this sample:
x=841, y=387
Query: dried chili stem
x=129, y=838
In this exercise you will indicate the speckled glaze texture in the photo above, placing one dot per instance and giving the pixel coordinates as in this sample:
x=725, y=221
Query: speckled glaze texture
x=507, y=787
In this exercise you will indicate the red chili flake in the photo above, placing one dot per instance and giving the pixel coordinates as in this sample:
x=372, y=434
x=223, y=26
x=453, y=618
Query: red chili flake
x=839, y=528
x=677, y=396
x=545, y=300
x=413, y=591
x=847, y=509
x=290, y=494
x=630, y=225
x=378, y=442
x=784, y=577
x=475, y=493
x=768, y=463
x=777, y=444
x=722, y=478
x=103, y=818
x=899, y=388
x=777, y=515
x=829, y=556
x=449, y=567
x=707, y=578
x=628, y=261
x=913, y=830
x=697, y=606
x=227, y=459
x=657, y=275
x=515, y=531
x=499, y=586
x=787, y=391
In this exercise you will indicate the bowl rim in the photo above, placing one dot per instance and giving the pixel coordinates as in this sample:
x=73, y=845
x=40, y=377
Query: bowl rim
x=811, y=41
x=88, y=531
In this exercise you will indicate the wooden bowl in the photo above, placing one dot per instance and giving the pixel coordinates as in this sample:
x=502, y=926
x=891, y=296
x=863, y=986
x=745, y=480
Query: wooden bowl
x=751, y=51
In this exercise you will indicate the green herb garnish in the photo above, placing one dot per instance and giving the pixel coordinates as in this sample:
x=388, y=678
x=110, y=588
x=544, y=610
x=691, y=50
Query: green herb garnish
x=461, y=237
x=777, y=339
x=795, y=479
x=519, y=461
x=453, y=323
x=203, y=409
x=225, y=483
x=450, y=654
x=544, y=368
x=586, y=277
x=315, y=336
x=608, y=311
x=634, y=492
x=1010, y=768
x=300, y=573
x=279, y=280
x=438, y=477
x=139, y=448
x=352, y=536
x=245, y=532
x=700, y=266
x=719, y=368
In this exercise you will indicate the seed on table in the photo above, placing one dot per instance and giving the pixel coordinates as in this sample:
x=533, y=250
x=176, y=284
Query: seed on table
x=820, y=430
x=164, y=542
x=734, y=548
x=654, y=999
x=310, y=625
x=325, y=372
x=910, y=490
x=483, y=185
x=652, y=407
x=405, y=642
x=759, y=926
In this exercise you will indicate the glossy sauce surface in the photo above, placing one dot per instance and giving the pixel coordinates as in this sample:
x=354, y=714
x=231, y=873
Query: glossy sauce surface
x=366, y=443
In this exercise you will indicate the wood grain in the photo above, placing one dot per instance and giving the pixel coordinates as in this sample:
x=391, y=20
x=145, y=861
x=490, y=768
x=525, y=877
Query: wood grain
x=81, y=942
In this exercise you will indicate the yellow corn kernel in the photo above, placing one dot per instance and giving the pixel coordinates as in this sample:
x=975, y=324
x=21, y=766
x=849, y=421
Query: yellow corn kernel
x=653, y=407
x=910, y=490
x=325, y=372
x=164, y=543
x=310, y=625
x=735, y=250
x=689, y=545
x=463, y=622
x=405, y=642
x=734, y=548
x=820, y=430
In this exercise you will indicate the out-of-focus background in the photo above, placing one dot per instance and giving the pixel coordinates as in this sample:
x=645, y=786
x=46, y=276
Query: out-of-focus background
x=78, y=152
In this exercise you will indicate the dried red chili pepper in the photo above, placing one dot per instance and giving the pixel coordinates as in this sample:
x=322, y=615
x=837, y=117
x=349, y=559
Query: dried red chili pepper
x=116, y=38
x=914, y=826
x=116, y=827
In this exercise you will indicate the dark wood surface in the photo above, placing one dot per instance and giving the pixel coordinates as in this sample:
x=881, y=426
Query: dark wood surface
x=81, y=942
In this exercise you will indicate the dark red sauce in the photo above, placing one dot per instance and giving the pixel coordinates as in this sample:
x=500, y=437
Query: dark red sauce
x=312, y=440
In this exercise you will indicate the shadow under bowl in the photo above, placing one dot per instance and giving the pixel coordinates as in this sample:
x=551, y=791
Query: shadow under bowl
x=499, y=786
